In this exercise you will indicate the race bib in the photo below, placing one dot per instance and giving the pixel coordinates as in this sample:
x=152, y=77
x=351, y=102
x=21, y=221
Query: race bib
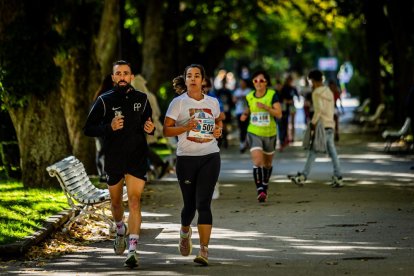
x=203, y=130
x=260, y=118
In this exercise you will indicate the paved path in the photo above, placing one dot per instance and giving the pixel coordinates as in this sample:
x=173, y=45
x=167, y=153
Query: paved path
x=365, y=228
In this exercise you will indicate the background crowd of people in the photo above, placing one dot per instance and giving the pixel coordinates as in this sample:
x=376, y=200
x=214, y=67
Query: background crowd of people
x=293, y=91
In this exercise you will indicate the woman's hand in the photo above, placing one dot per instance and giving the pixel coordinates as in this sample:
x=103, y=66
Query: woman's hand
x=263, y=106
x=192, y=123
x=217, y=131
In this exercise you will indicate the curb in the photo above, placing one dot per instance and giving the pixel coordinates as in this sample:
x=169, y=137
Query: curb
x=19, y=248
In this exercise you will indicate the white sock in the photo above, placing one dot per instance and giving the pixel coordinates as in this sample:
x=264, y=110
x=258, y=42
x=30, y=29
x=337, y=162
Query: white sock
x=184, y=234
x=133, y=241
x=120, y=227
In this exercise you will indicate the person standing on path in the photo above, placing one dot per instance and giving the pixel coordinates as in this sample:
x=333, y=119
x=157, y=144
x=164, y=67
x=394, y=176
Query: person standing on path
x=288, y=93
x=263, y=107
x=208, y=90
x=195, y=118
x=160, y=166
x=323, y=104
x=122, y=116
x=239, y=99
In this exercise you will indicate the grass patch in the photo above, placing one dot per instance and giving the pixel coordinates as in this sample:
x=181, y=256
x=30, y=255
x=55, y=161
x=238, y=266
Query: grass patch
x=23, y=211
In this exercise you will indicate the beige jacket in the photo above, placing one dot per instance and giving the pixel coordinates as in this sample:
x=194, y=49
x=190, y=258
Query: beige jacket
x=139, y=83
x=323, y=105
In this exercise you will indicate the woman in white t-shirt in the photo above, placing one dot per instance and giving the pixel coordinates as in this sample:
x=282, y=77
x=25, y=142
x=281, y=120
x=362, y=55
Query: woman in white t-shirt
x=194, y=118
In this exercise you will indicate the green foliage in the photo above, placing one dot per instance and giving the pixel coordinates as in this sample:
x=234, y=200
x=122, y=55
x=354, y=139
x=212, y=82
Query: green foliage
x=24, y=211
x=37, y=33
x=275, y=35
x=133, y=21
x=28, y=44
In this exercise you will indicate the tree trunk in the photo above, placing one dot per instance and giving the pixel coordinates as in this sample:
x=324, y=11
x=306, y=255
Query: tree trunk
x=28, y=40
x=401, y=20
x=107, y=40
x=43, y=140
x=373, y=10
x=80, y=81
x=170, y=50
x=82, y=72
x=153, y=63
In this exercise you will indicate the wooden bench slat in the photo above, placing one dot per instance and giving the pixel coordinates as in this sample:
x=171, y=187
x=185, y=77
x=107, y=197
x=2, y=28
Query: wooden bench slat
x=74, y=182
x=81, y=194
x=77, y=187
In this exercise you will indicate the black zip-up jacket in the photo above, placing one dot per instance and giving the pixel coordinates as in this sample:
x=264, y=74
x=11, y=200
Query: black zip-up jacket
x=126, y=147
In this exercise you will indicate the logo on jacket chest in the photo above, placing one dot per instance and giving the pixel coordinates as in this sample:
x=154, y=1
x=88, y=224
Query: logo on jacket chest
x=137, y=106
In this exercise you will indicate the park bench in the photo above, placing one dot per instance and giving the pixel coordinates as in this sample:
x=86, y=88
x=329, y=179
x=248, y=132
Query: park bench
x=392, y=137
x=84, y=198
x=375, y=120
x=361, y=110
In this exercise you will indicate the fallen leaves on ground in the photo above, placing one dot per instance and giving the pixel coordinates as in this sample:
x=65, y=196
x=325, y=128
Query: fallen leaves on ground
x=79, y=235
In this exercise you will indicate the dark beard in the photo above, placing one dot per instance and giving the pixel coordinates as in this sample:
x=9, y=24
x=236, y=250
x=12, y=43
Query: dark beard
x=122, y=89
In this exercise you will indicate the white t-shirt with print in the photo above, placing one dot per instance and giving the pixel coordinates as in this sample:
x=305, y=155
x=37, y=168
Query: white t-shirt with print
x=200, y=140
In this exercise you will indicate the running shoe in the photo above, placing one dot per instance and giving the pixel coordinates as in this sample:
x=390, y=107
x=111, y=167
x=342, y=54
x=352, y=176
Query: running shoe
x=298, y=179
x=202, y=257
x=185, y=245
x=132, y=259
x=337, y=182
x=262, y=197
x=120, y=242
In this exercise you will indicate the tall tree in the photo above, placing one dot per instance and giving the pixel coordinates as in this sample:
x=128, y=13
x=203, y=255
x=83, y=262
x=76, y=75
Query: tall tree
x=154, y=62
x=55, y=57
x=401, y=20
x=31, y=91
x=374, y=16
x=107, y=40
x=90, y=38
x=176, y=33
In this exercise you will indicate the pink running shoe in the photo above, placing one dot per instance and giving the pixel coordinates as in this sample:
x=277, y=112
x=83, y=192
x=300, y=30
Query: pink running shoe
x=185, y=245
x=262, y=197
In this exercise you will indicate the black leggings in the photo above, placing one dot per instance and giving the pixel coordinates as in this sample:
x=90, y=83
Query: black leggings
x=197, y=176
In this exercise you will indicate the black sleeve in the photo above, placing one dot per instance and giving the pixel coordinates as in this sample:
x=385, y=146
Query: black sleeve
x=247, y=103
x=94, y=125
x=275, y=99
x=147, y=113
x=284, y=94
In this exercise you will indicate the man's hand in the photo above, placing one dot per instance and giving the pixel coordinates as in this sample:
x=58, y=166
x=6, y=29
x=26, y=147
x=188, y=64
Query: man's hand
x=312, y=126
x=149, y=126
x=117, y=123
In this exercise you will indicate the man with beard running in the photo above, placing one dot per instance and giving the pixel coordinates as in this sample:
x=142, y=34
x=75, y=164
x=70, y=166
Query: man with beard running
x=122, y=116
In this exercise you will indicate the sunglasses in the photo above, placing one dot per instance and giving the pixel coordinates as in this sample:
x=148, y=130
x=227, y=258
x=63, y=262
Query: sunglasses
x=257, y=81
